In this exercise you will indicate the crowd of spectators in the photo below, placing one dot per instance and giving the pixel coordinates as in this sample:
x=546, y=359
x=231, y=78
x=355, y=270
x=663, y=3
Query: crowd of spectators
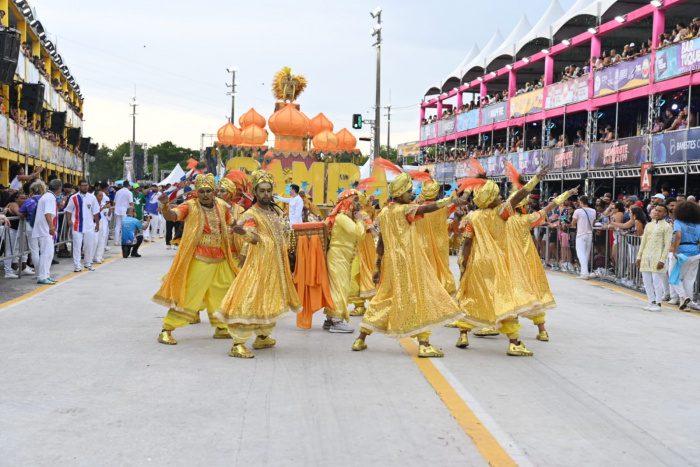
x=680, y=32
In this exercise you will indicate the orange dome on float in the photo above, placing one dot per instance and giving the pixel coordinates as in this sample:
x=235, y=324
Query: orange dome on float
x=320, y=123
x=229, y=135
x=289, y=121
x=346, y=140
x=326, y=141
x=251, y=117
x=253, y=136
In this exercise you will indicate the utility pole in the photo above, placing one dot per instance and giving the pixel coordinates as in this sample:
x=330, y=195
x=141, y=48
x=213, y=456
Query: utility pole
x=128, y=165
x=377, y=32
x=232, y=91
x=156, y=175
x=145, y=159
x=388, y=129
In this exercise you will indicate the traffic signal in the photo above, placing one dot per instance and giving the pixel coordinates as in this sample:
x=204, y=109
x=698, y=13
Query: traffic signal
x=357, y=121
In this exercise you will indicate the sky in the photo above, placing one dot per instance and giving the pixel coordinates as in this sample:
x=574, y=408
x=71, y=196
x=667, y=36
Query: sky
x=173, y=56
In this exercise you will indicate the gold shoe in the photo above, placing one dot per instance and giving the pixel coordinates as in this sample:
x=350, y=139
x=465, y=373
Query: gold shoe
x=463, y=341
x=358, y=311
x=221, y=333
x=543, y=336
x=453, y=324
x=240, y=351
x=519, y=350
x=359, y=345
x=196, y=320
x=486, y=332
x=166, y=337
x=264, y=342
x=428, y=351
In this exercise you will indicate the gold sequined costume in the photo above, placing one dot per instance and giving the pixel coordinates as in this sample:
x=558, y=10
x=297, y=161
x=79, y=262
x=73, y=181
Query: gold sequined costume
x=362, y=286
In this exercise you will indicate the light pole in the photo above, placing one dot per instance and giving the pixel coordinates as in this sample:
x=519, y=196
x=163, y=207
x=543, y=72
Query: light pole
x=232, y=92
x=377, y=32
x=128, y=166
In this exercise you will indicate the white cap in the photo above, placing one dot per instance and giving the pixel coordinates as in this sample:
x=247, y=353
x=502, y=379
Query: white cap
x=659, y=196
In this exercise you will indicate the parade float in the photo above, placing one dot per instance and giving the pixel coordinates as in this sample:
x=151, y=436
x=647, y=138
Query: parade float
x=306, y=151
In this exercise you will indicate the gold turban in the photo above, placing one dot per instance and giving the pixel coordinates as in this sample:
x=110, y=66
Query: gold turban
x=400, y=185
x=262, y=176
x=205, y=181
x=431, y=188
x=485, y=195
x=228, y=185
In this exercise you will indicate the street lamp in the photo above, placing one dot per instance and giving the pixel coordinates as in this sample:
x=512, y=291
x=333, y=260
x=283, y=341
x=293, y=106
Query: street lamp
x=377, y=32
x=232, y=86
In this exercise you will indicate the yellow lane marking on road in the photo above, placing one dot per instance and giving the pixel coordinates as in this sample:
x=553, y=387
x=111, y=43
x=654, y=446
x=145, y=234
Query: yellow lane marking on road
x=628, y=292
x=484, y=441
x=66, y=278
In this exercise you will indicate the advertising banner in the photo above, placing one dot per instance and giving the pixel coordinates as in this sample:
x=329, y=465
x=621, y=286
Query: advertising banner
x=428, y=131
x=445, y=172
x=627, y=152
x=32, y=144
x=570, y=158
x=527, y=103
x=446, y=126
x=493, y=113
x=645, y=177
x=677, y=146
x=494, y=166
x=3, y=131
x=408, y=149
x=14, y=136
x=468, y=120
x=567, y=92
x=677, y=60
x=621, y=76
x=527, y=162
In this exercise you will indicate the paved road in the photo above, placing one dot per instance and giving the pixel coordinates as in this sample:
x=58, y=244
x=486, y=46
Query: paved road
x=85, y=383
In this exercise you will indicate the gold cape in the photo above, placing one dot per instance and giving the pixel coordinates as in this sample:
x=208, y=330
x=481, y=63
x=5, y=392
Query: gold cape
x=432, y=230
x=409, y=299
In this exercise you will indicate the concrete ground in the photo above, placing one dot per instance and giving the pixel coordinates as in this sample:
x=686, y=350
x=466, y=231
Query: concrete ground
x=84, y=382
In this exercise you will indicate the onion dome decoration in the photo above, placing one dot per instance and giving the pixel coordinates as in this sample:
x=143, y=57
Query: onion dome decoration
x=251, y=117
x=346, y=140
x=229, y=135
x=289, y=121
x=253, y=136
x=320, y=123
x=326, y=141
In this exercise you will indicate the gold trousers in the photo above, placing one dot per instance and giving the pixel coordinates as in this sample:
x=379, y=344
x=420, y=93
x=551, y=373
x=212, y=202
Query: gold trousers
x=510, y=327
x=240, y=333
x=420, y=337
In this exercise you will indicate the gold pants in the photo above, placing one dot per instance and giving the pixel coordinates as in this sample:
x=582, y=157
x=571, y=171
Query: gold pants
x=420, y=337
x=240, y=333
x=206, y=286
x=510, y=327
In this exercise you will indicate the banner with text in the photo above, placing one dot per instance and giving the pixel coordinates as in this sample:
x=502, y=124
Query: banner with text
x=446, y=126
x=567, y=92
x=428, y=131
x=568, y=159
x=445, y=172
x=621, y=76
x=468, y=120
x=528, y=103
x=676, y=146
x=494, y=166
x=493, y=113
x=627, y=152
x=527, y=162
x=677, y=59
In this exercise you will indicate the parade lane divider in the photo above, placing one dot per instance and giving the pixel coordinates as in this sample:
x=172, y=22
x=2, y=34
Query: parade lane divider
x=68, y=277
x=626, y=291
x=487, y=445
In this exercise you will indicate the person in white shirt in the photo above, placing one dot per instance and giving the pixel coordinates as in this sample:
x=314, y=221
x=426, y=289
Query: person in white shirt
x=83, y=222
x=296, y=205
x=123, y=200
x=44, y=230
x=20, y=178
x=583, y=220
x=103, y=233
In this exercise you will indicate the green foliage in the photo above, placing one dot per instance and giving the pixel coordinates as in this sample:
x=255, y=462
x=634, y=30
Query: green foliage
x=392, y=154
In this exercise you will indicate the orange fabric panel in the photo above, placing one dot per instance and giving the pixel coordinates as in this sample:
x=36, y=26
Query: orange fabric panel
x=311, y=279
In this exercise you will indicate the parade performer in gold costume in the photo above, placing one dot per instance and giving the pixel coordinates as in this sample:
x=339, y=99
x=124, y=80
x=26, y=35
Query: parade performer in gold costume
x=362, y=286
x=235, y=189
x=347, y=224
x=204, y=265
x=432, y=230
x=486, y=292
x=409, y=298
x=263, y=291
x=528, y=277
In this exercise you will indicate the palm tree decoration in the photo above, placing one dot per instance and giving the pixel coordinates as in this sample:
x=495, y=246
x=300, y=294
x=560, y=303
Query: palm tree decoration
x=287, y=87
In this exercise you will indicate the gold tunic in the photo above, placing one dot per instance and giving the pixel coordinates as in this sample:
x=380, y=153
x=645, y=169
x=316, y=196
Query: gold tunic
x=237, y=241
x=264, y=290
x=432, y=230
x=654, y=248
x=486, y=292
x=529, y=279
x=409, y=299
x=341, y=251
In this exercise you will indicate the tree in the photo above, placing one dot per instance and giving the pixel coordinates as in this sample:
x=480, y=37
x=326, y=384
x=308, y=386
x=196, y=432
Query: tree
x=391, y=155
x=169, y=155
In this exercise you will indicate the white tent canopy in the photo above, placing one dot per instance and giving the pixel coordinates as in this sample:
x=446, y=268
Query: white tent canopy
x=459, y=71
x=490, y=47
x=508, y=45
x=174, y=176
x=543, y=28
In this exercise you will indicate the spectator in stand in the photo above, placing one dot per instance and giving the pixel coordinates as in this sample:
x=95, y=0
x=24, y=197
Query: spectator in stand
x=45, y=224
x=123, y=200
x=608, y=134
x=681, y=32
x=686, y=245
x=20, y=178
x=681, y=121
x=580, y=138
x=652, y=256
x=132, y=236
x=583, y=220
x=83, y=216
x=28, y=212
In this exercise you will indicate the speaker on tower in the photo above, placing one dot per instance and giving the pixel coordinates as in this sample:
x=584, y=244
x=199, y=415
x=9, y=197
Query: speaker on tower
x=9, y=52
x=92, y=149
x=58, y=122
x=32, y=97
x=73, y=136
x=84, y=144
